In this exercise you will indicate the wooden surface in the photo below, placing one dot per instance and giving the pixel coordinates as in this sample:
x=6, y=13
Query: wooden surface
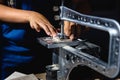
x=41, y=76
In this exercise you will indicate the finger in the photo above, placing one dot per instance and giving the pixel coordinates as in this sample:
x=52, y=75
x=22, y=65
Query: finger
x=67, y=25
x=32, y=26
x=72, y=23
x=49, y=27
x=67, y=28
x=37, y=27
x=71, y=36
x=52, y=30
x=45, y=28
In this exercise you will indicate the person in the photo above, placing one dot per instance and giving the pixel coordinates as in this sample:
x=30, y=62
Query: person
x=21, y=22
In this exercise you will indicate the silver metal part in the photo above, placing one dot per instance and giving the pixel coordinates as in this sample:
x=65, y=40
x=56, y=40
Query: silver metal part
x=62, y=30
x=72, y=54
x=70, y=57
x=56, y=42
x=51, y=72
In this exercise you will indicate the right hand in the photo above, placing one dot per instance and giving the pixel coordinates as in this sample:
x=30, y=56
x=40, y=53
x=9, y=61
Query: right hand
x=38, y=21
x=73, y=30
x=68, y=29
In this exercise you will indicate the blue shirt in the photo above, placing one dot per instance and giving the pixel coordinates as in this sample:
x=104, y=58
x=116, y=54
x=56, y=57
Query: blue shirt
x=18, y=41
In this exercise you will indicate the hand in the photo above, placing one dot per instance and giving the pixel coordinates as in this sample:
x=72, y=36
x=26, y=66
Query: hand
x=73, y=30
x=68, y=29
x=38, y=21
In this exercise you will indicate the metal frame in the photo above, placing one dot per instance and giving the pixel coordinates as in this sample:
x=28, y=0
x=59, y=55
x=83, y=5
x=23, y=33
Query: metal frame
x=69, y=57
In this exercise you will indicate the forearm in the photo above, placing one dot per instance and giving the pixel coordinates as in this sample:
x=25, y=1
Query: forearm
x=9, y=14
x=36, y=20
